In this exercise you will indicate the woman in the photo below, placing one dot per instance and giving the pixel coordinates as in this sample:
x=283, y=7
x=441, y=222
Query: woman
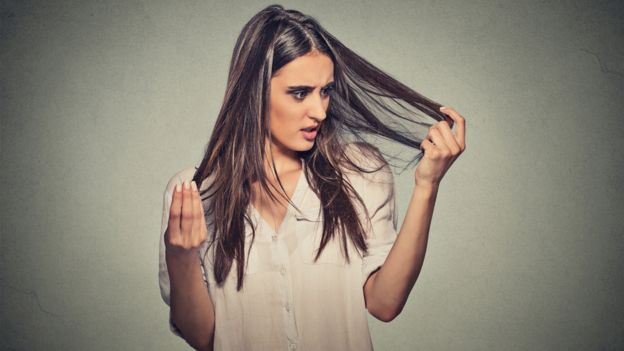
x=291, y=238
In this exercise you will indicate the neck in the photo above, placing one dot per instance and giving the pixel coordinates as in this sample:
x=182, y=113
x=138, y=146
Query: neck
x=285, y=160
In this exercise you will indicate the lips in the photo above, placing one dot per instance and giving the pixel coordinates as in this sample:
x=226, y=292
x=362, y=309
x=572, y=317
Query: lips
x=309, y=133
x=310, y=129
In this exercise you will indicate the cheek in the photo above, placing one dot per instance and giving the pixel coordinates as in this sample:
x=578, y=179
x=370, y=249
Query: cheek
x=285, y=118
x=326, y=103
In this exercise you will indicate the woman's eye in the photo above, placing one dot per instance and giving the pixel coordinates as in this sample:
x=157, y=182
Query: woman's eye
x=299, y=95
x=327, y=91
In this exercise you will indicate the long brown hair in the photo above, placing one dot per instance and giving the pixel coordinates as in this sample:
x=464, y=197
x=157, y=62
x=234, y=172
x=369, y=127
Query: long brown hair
x=234, y=156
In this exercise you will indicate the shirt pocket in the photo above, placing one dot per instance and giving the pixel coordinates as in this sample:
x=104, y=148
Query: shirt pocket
x=311, y=232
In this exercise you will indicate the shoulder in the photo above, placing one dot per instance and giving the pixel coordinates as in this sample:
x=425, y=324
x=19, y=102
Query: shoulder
x=375, y=182
x=364, y=153
x=375, y=167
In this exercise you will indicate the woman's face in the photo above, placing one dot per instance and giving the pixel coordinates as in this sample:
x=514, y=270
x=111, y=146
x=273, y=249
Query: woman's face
x=299, y=98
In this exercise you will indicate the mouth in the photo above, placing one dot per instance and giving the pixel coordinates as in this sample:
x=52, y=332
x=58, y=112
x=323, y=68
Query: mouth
x=310, y=129
x=309, y=133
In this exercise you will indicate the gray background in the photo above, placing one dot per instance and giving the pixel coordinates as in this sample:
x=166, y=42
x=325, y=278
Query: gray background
x=103, y=101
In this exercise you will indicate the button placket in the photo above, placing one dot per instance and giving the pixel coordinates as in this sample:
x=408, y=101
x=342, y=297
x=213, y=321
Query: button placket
x=282, y=262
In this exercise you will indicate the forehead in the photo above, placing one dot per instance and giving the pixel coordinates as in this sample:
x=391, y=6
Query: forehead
x=310, y=69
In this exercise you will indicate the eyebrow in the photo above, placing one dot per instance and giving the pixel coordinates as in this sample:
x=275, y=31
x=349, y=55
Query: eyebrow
x=307, y=87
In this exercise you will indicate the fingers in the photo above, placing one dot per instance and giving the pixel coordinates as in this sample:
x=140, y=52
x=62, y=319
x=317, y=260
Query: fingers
x=186, y=225
x=187, y=229
x=198, y=214
x=173, y=228
x=435, y=146
x=440, y=139
x=461, y=126
x=436, y=137
x=186, y=218
x=444, y=131
x=427, y=146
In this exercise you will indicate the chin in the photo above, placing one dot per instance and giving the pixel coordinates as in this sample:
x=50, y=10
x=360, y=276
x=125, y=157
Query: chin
x=308, y=145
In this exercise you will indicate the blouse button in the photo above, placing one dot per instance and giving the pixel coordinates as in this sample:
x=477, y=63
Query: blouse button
x=287, y=307
x=283, y=271
x=274, y=237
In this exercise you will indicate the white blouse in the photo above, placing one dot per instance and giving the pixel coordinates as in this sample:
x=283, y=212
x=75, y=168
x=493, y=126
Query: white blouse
x=288, y=301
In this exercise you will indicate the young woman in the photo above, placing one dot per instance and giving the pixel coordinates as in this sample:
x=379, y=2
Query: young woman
x=290, y=240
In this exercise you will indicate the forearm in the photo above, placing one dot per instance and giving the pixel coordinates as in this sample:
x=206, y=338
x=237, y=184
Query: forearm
x=192, y=310
x=393, y=282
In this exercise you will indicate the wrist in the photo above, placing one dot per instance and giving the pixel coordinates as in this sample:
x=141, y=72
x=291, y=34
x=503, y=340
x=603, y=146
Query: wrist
x=181, y=258
x=426, y=186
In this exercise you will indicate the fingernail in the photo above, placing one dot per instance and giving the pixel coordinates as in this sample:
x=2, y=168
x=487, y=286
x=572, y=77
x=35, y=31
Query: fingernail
x=194, y=186
x=187, y=186
x=442, y=107
x=178, y=187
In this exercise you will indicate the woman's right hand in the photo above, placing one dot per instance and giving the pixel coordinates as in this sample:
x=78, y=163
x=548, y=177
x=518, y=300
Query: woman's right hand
x=187, y=229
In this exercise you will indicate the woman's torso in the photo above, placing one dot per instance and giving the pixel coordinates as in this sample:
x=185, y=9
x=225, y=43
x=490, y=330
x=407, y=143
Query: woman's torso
x=288, y=301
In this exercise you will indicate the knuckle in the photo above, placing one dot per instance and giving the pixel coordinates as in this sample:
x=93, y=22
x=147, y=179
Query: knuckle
x=186, y=243
x=172, y=241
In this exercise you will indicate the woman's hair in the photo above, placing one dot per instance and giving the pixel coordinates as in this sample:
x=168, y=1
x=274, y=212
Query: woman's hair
x=234, y=156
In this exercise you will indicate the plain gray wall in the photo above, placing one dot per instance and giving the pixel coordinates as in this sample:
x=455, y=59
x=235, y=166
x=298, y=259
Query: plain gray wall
x=103, y=101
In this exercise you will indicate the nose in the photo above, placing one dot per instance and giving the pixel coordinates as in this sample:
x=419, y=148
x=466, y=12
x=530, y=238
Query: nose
x=317, y=109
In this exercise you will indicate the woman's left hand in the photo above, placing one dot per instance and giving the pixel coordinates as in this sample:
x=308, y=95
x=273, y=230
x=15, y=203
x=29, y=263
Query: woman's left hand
x=442, y=148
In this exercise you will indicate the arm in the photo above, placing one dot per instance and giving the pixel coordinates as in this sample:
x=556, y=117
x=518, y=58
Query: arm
x=192, y=310
x=182, y=285
x=386, y=291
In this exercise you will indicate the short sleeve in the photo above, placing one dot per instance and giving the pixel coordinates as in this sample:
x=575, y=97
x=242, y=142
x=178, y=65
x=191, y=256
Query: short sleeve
x=379, y=197
x=163, y=273
x=377, y=192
